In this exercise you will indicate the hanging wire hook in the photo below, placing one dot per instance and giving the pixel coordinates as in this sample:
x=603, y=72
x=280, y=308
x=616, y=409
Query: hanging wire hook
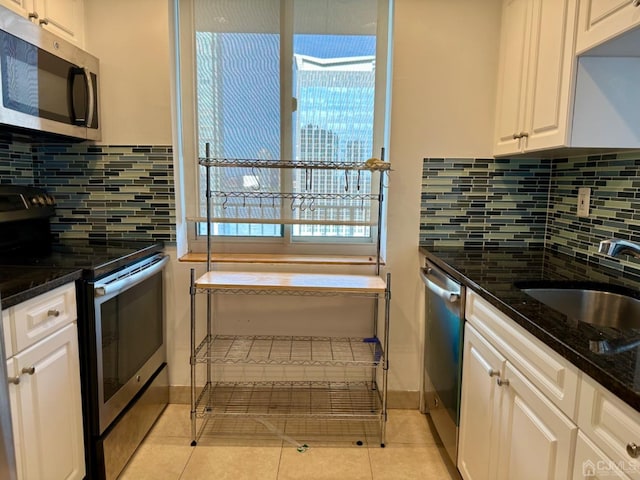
x=312, y=205
x=346, y=180
x=224, y=202
x=386, y=176
x=358, y=184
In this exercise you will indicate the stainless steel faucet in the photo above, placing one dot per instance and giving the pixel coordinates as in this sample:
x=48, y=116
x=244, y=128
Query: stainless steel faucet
x=615, y=247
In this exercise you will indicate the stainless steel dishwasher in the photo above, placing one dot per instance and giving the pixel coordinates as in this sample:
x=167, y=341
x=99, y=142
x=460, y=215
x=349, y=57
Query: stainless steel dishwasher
x=444, y=327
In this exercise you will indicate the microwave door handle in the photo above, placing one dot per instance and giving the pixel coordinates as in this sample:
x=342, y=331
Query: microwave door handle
x=91, y=101
x=87, y=119
x=75, y=72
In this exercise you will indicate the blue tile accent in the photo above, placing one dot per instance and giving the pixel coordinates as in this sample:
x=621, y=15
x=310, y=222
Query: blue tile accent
x=101, y=191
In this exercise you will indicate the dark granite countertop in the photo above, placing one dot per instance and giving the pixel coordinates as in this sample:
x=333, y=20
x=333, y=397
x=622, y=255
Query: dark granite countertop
x=492, y=273
x=19, y=283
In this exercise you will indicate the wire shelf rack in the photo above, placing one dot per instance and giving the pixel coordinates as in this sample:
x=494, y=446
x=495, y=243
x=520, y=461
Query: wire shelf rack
x=300, y=164
x=290, y=350
x=355, y=400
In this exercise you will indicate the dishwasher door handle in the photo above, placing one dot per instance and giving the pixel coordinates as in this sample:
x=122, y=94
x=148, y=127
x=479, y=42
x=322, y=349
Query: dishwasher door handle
x=446, y=295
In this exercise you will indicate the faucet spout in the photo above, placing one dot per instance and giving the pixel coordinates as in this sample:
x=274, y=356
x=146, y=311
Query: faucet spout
x=611, y=347
x=615, y=247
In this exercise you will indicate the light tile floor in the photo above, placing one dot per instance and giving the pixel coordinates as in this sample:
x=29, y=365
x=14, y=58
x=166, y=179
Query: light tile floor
x=244, y=449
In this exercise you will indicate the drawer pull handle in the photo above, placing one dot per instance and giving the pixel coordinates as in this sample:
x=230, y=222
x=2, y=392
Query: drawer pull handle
x=633, y=450
x=502, y=382
x=53, y=313
x=29, y=370
x=14, y=380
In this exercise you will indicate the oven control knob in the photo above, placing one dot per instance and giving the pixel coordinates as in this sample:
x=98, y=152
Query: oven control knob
x=41, y=201
x=49, y=199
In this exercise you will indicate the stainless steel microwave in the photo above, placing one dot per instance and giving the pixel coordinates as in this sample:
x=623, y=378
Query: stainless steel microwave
x=48, y=84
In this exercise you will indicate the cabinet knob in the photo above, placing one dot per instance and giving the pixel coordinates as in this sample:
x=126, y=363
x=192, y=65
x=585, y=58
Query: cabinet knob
x=523, y=135
x=516, y=136
x=633, y=450
x=53, y=313
x=43, y=21
x=493, y=373
x=33, y=16
x=29, y=370
x=502, y=382
x=636, y=3
x=16, y=381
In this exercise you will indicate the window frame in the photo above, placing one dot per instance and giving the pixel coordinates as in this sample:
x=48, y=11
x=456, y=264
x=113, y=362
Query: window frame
x=188, y=140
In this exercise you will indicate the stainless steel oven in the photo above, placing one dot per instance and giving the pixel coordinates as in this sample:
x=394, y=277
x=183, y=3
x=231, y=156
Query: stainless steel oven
x=125, y=380
x=129, y=323
x=444, y=328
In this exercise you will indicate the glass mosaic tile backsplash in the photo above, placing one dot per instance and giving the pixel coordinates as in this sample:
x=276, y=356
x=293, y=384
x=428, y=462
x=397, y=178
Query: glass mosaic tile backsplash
x=529, y=203
x=479, y=202
x=116, y=191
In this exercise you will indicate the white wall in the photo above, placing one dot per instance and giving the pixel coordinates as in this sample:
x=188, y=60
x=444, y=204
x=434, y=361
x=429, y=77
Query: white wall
x=444, y=76
x=130, y=38
x=445, y=64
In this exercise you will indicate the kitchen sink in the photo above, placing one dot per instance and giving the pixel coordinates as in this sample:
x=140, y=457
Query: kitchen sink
x=589, y=303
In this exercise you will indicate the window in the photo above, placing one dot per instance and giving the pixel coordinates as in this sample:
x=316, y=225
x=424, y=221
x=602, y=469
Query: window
x=300, y=80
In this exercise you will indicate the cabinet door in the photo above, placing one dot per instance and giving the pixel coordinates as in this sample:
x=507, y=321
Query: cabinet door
x=479, y=414
x=64, y=18
x=551, y=70
x=514, y=56
x=602, y=20
x=536, y=440
x=21, y=7
x=15, y=415
x=48, y=420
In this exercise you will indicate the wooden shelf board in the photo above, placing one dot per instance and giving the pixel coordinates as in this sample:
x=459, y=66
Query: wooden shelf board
x=312, y=282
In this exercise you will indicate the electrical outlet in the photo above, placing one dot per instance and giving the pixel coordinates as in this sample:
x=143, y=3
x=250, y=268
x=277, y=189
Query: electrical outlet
x=584, y=197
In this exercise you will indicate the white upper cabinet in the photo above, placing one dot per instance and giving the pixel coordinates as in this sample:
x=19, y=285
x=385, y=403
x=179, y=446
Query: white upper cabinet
x=603, y=20
x=535, y=75
x=64, y=18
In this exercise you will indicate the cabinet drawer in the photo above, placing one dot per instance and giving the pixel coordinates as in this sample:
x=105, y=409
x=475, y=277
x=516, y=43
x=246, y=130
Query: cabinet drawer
x=39, y=317
x=610, y=423
x=591, y=463
x=555, y=376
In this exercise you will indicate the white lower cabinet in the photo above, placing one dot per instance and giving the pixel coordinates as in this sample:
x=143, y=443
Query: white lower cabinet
x=479, y=407
x=44, y=388
x=508, y=428
x=536, y=440
x=528, y=413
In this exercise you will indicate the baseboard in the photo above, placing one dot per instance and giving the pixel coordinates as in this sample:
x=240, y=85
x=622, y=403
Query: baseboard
x=397, y=399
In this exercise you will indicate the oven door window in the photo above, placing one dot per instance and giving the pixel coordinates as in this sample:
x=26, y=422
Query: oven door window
x=131, y=326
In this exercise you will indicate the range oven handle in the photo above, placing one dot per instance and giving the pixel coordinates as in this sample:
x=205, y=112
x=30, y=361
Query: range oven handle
x=101, y=290
x=446, y=295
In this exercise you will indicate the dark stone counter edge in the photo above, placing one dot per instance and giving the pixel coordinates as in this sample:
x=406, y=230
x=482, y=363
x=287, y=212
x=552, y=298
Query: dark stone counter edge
x=605, y=378
x=41, y=288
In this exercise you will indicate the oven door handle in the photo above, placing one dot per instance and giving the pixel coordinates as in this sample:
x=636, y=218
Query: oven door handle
x=101, y=290
x=446, y=295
